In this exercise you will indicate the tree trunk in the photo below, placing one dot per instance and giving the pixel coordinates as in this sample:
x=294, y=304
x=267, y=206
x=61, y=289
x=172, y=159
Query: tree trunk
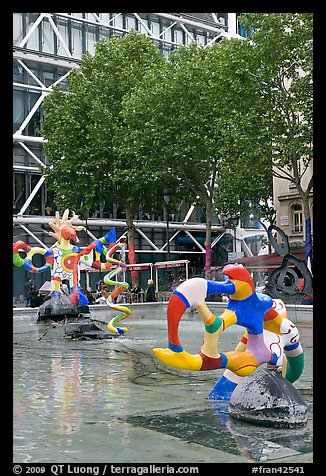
x=208, y=248
x=308, y=240
x=131, y=245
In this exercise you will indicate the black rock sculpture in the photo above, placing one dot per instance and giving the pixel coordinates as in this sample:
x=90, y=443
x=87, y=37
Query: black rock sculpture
x=266, y=398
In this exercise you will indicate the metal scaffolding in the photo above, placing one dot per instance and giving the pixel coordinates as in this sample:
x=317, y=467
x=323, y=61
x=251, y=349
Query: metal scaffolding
x=205, y=28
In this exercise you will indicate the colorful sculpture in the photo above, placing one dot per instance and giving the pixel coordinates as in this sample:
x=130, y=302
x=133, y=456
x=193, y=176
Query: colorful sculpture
x=122, y=285
x=64, y=257
x=254, y=311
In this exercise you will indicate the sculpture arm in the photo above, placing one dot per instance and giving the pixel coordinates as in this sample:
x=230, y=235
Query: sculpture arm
x=220, y=287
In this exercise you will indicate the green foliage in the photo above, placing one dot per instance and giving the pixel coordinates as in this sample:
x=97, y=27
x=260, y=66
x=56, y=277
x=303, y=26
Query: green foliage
x=81, y=126
x=209, y=123
x=281, y=69
x=196, y=114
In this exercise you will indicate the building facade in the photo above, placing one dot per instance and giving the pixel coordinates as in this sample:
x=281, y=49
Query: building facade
x=289, y=209
x=46, y=48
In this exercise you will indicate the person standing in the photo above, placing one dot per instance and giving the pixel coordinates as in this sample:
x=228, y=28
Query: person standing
x=29, y=290
x=150, y=291
x=99, y=287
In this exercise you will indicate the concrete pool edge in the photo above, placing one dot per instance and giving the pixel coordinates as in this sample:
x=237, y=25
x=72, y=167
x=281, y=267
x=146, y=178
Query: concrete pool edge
x=297, y=313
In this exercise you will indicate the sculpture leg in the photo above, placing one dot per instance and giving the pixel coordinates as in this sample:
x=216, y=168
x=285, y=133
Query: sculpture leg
x=55, y=285
x=175, y=356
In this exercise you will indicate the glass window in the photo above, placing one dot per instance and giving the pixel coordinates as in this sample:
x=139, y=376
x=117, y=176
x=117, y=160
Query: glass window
x=29, y=79
x=131, y=23
x=33, y=42
x=167, y=35
x=166, y=52
x=18, y=109
x=178, y=36
x=105, y=17
x=36, y=150
x=297, y=218
x=48, y=78
x=104, y=34
x=50, y=207
x=19, y=156
x=90, y=39
x=47, y=37
x=188, y=39
x=63, y=29
x=33, y=126
x=155, y=28
x=201, y=40
x=18, y=73
x=17, y=28
x=35, y=207
x=64, y=82
x=19, y=191
x=77, y=40
x=141, y=27
x=117, y=20
x=90, y=16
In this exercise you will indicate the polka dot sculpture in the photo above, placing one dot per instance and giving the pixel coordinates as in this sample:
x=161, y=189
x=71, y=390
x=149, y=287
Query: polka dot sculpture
x=63, y=260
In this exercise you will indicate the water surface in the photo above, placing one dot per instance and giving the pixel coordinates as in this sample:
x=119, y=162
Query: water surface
x=110, y=401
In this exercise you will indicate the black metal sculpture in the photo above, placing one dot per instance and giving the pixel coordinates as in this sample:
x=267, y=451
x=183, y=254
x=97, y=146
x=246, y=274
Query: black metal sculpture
x=283, y=282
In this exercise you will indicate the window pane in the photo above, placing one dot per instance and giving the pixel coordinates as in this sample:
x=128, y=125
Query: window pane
x=200, y=40
x=47, y=37
x=118, y=20
x=142, y=29
x=18, y=73
x=19, y=156
x=90, y=39
x=18, y=109
x=297, y=218
x=64, y=82
x=178, y=36
x=104, y=34
x=167, y=35
x=105, y=17
x=77, y=40
x=29, y=79
x=17, y=28
x=63, y=29
x=35, y=207
x=48, y=78
x=19, y=192
x=33, y=127
x=90, y=16
x=155, y=27
x=131, y=23
x=33, y=42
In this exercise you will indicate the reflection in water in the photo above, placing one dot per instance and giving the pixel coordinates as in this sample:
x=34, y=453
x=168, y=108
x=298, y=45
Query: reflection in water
x=57, y=392
x=80, y=401
x=260, y=442
x=65, y=382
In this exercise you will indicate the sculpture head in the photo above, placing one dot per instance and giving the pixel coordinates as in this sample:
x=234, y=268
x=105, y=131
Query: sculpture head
x=242, y=279
x=64, y=228
x=69, y=233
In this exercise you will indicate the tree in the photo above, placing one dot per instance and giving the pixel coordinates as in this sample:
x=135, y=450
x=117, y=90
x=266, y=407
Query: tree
x=82, y=124
x=194, y=112
x=281, y=69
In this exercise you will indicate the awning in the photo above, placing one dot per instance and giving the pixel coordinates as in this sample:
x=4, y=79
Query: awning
x=46, y=287
x=171, y=264
x=266, y=262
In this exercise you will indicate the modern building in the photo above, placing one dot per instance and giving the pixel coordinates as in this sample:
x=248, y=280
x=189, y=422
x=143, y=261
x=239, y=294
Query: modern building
x=46, y=48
